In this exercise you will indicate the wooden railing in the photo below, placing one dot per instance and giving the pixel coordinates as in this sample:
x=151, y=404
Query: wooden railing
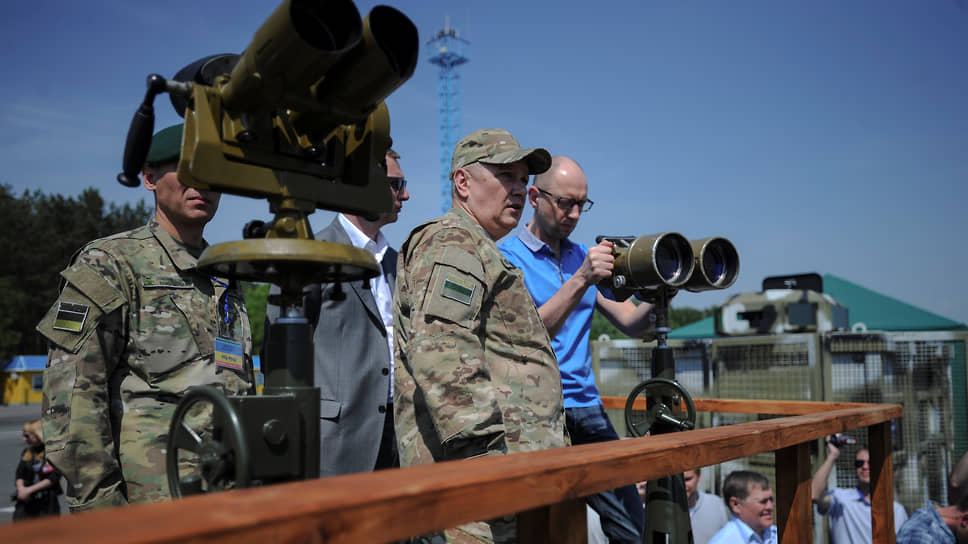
x=545, y=488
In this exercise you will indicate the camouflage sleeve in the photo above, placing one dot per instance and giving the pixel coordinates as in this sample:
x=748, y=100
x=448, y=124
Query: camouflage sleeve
x=86, y=329
x=447, y=351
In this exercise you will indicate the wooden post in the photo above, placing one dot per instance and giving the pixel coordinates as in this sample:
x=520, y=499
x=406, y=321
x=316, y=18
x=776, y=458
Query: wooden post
x=882, y=483
x=794, y=507
x=562, y=523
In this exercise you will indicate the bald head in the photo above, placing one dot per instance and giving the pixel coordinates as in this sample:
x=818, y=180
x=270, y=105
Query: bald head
x=558, y=197
x=562, y=168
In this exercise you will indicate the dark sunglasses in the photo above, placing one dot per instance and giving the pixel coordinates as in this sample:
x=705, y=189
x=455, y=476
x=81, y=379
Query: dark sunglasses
x=397, y=184
x=860, y=462
x=566, y=204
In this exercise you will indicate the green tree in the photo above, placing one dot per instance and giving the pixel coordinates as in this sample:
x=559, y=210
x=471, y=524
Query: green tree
x=40, y=234
x=601, y=325
x=256, y=295
x=678, y=317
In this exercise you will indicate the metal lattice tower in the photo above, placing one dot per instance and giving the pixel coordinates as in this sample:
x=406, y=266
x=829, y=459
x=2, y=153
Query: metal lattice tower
x=448, y=54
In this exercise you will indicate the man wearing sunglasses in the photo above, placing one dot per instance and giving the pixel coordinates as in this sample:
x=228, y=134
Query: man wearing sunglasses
x=558, y=273
x=849, y=510
x=353, y=345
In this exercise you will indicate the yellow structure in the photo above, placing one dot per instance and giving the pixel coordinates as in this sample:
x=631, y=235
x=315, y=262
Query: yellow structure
x=22, y=379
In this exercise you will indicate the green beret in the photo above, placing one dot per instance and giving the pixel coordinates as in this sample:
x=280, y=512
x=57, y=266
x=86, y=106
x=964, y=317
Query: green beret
x=165, y=145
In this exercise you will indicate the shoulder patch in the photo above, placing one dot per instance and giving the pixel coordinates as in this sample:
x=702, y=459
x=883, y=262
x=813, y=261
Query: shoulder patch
x=85, y=300
x=71, y=320
x=453, y=295
x=458, y=289
x=70, y=316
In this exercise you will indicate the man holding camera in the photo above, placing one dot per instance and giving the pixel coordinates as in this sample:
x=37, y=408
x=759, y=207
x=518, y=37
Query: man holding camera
x=475, y=373
x=558, y=274
x=849, y=510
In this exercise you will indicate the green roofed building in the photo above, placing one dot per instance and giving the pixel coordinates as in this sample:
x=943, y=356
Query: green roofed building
x=882, y=351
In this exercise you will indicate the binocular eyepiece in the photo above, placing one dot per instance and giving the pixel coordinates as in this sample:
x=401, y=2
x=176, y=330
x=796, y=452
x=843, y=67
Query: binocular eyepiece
x=668, y=259
x=303, y=104
x=323, y=63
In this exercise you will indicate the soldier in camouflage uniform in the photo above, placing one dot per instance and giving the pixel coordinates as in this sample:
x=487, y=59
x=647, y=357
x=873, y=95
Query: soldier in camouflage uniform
x=475, y=372
x=135, y=326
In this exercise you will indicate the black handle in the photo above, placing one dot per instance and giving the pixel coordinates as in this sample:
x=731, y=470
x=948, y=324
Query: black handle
x=139, y=134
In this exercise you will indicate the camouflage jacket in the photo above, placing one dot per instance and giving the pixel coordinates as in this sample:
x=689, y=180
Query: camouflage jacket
x=134, y=327
x=475, y=373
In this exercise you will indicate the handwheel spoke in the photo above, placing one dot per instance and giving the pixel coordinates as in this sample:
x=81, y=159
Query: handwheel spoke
x=185, y=438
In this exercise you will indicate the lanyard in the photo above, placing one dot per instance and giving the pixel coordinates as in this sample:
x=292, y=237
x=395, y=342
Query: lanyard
x=225, y=298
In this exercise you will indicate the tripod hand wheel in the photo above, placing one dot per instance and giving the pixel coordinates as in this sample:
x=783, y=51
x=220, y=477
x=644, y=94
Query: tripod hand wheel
x=663, y=399
x=206, y=433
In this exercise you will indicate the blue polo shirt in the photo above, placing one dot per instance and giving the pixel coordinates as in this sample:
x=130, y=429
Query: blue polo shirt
x=738, y=532
x=926, y=526
x=544, y=274
x=850, y=516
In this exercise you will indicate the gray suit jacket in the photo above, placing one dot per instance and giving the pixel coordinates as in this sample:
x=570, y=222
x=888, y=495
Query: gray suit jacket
x=352, y=369
x=352, y=362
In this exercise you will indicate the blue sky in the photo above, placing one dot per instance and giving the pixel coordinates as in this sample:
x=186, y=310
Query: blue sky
x=822, y=136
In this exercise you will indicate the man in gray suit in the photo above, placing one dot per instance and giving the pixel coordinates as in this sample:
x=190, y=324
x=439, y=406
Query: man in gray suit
x=353, y=342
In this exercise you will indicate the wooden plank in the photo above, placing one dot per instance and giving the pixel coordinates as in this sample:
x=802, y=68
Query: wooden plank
x=794, y=507
x=562, y=523
x=392, y=505
x=882, y=483
x=739, y=406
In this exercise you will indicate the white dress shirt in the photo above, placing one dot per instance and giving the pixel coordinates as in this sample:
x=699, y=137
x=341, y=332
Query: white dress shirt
x=378, y=285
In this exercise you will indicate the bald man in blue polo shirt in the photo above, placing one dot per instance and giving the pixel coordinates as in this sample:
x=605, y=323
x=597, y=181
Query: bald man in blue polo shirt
x=558, y=274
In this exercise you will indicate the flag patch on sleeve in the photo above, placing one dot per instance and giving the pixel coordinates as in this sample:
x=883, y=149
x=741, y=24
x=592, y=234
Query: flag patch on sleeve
x=71, y=316
x=458, y=289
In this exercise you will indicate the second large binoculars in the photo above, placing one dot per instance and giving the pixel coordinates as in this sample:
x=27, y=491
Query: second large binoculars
x=668, y=259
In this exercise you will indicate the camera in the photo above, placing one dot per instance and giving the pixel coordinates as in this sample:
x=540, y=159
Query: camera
x=841, y=440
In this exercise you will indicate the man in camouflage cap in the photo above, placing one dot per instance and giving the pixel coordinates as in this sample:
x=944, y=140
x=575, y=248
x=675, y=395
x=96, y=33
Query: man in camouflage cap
x=135, y=326
x=475, y=371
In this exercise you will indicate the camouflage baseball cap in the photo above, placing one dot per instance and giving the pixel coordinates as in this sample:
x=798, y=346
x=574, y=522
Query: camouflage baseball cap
x=165, y=145
x=497, y=146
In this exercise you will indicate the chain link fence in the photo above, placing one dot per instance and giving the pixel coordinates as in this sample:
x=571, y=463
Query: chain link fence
x=922, y=371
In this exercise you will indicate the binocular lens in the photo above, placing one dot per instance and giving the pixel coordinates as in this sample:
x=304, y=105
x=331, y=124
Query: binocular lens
x=714, y=264
x=668, y=262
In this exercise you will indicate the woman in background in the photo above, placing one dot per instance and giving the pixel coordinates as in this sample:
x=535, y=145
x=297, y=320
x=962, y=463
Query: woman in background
x=38, y=483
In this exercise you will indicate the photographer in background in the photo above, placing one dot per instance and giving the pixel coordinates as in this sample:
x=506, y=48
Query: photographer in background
x=849, y=510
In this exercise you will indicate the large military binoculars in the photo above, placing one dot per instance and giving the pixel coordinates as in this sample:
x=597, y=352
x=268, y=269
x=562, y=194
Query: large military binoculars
x=669, y=260
x=298, y=117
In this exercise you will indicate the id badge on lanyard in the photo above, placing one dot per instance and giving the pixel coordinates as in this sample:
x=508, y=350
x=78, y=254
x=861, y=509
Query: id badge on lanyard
x=229, y=352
